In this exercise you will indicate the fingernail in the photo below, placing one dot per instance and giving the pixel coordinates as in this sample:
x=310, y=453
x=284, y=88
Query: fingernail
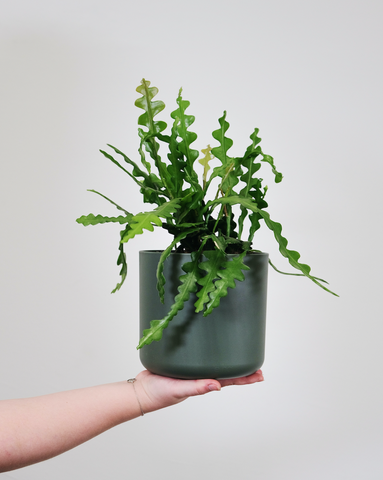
x=213, y=387
x=261, y=379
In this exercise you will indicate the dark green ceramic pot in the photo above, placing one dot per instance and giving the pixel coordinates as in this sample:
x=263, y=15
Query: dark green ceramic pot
x=228, y=343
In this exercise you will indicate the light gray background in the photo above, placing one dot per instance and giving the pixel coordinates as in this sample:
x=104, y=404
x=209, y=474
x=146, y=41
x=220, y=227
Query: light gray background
x=309, y=75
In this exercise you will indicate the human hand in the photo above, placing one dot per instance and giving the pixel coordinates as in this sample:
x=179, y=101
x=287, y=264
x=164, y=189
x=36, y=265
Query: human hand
x=155, y=391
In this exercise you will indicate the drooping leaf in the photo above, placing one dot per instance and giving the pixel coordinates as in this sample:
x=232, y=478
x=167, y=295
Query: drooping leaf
x=161, y=280
x=270, y=160
x=215, y=260
x=96, y=220
x=291, y=255
x=188, y=286
x=294, y=274
x=230, y=271
x=121, y=260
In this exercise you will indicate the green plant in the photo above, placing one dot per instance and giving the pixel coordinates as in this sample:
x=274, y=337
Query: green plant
x=199, y=226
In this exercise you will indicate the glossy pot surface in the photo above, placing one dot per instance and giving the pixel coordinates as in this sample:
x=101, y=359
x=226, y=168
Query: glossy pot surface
x=228, y=343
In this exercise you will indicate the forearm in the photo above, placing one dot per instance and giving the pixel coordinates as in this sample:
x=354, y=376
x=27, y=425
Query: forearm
x=35, y=429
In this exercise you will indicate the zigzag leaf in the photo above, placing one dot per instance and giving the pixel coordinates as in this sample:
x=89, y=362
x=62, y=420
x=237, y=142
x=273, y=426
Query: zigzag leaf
x=230, y=170
x=205, y=163
x=152, y=187
x=154, y=129
x=188, y=286
x=187, y=137
x=270, y=160
x=215, y=260
x=111, y=201
x=225, y=143
x=151, y=108
x=291, y=255
x=145, y=220
x=253, y=151
x=95, y=220
x=231, y=270
x=121, y=260
x=161, y=280
x=177, y=167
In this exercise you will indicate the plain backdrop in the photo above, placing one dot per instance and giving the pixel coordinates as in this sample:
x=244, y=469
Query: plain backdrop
x=309, y=75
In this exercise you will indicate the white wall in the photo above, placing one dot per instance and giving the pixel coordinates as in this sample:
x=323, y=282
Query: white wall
x=309, y=75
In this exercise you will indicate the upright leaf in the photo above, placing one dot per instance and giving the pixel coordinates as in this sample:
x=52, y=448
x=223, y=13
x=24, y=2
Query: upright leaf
x=184, y=121
x=205, y=163
x=177, y=165
x=151, y=186
x=230, y=169
x=152, y=108
x=225, y=142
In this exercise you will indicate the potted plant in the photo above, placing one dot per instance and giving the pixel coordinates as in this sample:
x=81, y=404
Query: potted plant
x=196, y=275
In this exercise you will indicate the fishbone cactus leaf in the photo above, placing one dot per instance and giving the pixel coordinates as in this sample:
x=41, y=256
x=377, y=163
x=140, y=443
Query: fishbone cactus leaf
x=182, y=128
x=291, y=255
x=145, y=220
x=161, y=280
x=148, y=139
x=231, y=270
x=121, y=260
x=215, y=260
x=205, y=162
x=188, y=286
x=225, y=142
x=151, y=108
x=97, y=219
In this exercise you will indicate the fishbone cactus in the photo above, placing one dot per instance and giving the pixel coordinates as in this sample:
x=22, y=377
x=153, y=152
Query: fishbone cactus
x=201, y=221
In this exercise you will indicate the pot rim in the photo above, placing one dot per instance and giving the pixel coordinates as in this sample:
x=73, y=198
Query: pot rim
x=181, y=253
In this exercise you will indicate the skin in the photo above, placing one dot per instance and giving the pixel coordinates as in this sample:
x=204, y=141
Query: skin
x=39, y=428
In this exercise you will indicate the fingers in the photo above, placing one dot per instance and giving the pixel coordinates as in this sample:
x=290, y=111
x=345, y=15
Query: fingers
x=189, y=388
x=253, y=378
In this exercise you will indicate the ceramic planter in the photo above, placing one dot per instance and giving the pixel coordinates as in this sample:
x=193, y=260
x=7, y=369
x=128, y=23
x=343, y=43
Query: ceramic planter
x=228, y=343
